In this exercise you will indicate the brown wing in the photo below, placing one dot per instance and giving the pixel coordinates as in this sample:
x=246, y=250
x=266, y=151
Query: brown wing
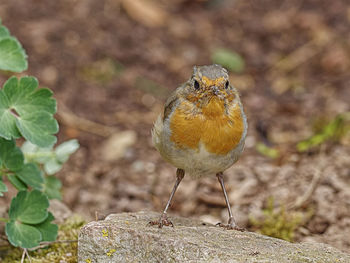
x=170, y=103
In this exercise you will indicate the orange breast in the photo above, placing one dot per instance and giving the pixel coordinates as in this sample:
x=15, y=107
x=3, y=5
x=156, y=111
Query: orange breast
x=218, y=131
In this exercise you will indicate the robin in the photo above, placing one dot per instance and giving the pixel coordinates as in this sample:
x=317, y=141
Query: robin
x=202, y=130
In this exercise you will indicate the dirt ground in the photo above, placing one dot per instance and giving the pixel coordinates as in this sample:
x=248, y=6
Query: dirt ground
x=112, y=63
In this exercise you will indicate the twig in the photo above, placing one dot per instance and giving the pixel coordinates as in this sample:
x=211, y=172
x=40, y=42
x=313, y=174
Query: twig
x=301, y=54
x=97, y=215
x=59, y=241
x=2, y=219
x=47, y=243
x=297, y=57
x=23, y=255
x=302, y=200
x=70, y=119
x=26, y=251
x=3, y=237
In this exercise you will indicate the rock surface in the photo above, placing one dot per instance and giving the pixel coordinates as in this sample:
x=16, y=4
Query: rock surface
x=127, y=238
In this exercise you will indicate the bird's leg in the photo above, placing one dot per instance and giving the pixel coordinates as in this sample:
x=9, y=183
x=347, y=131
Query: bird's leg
x=231, y=222
x=163, y=220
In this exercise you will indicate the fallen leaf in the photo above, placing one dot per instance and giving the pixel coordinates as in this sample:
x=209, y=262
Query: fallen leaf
x=117, y=144
x=145, y=12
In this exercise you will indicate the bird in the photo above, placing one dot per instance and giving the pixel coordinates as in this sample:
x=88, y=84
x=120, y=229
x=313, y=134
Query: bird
x=201, y=131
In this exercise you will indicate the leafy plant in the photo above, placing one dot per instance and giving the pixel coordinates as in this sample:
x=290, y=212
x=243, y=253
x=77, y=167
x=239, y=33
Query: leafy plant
x=332, y=130
x=265, y=150
x=27, y=111
x=279, y=224
x=12, y=55
x=51, y=159
x=58, y=251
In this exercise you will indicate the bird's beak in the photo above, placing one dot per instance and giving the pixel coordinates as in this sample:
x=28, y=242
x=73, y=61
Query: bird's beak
x=215, y=90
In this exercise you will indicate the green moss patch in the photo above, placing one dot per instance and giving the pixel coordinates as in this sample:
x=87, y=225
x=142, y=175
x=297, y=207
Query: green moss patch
x=60, y=251
x=278, y=223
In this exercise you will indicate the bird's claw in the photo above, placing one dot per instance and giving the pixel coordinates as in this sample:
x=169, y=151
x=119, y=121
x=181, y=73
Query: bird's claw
x=163, y=221
x=231, y=227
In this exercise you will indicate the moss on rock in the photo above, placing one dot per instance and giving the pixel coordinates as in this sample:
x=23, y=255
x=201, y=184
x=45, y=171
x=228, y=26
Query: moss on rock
x=57, y=252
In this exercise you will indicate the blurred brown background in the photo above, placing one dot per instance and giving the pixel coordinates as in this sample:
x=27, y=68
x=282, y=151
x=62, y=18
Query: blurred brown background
x=112, y=63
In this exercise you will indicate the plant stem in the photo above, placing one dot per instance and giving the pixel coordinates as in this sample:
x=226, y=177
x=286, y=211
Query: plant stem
x=2, y=219
x=31, y=156
x=47, y=243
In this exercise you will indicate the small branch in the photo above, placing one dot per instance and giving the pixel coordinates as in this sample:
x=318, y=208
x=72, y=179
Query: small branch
x=97, y=215
x=23, y=255
x=304, y=199
x=3, y=237
x=26, y=251
x=2, y=219
x=47, y=243
x=71, y=120
x=318, y=172
x=298, y=57
x=31, y=156
x=58, y=241
x=4, y=171
x=39, y=154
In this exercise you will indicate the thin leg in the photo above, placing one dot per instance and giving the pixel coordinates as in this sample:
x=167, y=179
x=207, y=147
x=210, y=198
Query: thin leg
x=231, y=221
x=163, y=220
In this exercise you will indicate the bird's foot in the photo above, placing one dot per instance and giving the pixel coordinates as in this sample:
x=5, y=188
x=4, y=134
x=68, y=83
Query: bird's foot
x=163, y=221
x=231, y=225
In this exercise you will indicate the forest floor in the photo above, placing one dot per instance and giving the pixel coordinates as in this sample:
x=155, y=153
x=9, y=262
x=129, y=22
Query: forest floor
x=112, y=64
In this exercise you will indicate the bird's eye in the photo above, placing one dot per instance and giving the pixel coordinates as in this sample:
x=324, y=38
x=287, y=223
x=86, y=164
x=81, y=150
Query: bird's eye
x=196, y=84
x=227, y=85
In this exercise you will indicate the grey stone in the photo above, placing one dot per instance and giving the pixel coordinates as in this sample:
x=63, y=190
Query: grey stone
x=127, y=237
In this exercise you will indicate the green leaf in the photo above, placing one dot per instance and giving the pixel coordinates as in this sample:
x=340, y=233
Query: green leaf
x=8, y=128
x=29, y=207
x=31, y=175
x=64, y=150
x=12, y=55
x=30, y=222
x=228, y=59
x=333, y=130
x=11, y=157
x=61, y=155
x=52, y=187
x=22, y=235
x=34, y=153
x=4, y=32
x=48, y=230
x=267, y=151
x=3, y=187
x=52, y=166
x=17, y=183
x=27, y=111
